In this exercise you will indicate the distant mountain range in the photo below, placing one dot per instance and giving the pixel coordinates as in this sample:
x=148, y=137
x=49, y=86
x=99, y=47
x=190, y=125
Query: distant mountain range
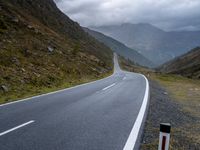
x=155, y=44
x=121, y=49
x=187, y=65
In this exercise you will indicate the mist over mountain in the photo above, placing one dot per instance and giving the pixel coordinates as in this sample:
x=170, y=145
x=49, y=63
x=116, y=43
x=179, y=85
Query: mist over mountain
x=165, y=14
x=121, y=49
x=157, y=45
x=187, y=65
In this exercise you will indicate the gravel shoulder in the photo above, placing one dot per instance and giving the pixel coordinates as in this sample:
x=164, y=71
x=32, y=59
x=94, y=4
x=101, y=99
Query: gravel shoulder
x=162, y=108
x=174, y=99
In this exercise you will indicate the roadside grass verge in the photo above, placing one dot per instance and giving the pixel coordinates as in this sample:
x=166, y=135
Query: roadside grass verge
x=177, y=100
x=30, y=90
x=185, y=91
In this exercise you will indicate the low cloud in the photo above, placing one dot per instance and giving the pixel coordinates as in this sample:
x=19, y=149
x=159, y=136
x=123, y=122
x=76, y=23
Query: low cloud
x=166, y=14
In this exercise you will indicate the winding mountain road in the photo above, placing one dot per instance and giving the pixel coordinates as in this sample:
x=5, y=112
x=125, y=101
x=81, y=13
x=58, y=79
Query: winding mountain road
x=103, y=115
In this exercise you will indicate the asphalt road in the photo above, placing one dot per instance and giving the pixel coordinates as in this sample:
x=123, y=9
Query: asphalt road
x=95, y=116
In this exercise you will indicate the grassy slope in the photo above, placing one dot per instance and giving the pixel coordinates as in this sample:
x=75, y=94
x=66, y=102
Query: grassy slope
x=27, y=29
x=187, y=65
x=186, y=93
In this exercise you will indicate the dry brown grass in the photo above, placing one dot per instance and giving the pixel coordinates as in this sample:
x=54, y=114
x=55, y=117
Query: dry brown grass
x=183, y=90
x=27, y=67
x=186, y=93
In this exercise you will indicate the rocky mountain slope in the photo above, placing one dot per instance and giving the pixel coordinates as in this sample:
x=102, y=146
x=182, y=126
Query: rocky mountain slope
x=41, y=48
x=121, y=49
x=187, y=65
x=153, y=43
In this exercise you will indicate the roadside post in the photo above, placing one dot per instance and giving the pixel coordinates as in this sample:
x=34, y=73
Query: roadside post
x=164, y=136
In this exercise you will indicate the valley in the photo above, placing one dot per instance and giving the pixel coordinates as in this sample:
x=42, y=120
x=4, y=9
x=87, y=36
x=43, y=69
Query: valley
x=155, y=44
x=91, y=75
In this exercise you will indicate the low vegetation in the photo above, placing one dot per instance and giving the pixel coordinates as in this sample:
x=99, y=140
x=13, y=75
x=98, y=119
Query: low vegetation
x=184, y=94
x=42, y=50
x=187, y=65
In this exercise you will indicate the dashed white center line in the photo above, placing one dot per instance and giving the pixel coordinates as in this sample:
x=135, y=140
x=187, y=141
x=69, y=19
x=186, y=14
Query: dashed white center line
x=17, y=127
x=109, y=86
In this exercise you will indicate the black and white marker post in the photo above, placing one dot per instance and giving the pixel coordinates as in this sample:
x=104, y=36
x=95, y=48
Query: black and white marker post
x=164, y=136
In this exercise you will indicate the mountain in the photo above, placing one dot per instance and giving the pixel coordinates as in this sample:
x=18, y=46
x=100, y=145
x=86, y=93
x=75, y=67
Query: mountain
x=153, y=43
x=121, y=49
x=187, y=65
x=40, y=47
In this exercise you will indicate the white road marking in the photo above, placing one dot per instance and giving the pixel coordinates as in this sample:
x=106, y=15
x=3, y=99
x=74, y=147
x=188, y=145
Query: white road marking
x=131, y=141
x=124, y=78
x=55, y=91
x=109, y=86
x=114, y=73
x=15, y=128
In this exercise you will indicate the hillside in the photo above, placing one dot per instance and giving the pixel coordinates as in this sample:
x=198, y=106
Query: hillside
x=187, y=65
x=42, y=49
x=120, y=48
x=155, y=44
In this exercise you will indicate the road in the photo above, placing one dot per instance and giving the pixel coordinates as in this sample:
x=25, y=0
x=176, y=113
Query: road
x=101, y=115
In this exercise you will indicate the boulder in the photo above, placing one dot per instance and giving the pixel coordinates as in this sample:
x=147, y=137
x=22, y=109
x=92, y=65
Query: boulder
x=23, y=70
x=165, y=93
x=50, y=49
x=14, y=19
x=26, y=52
x=4, y=88
x=15, y=61
x=30, y=27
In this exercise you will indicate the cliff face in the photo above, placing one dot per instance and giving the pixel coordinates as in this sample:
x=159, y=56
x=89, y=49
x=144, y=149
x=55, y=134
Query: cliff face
x=40, y=47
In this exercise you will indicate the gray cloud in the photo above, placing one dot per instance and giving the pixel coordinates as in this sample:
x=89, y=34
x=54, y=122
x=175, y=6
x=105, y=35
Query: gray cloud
x=166, y=14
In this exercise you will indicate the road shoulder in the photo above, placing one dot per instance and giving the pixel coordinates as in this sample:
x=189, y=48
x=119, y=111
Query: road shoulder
x=162, y=108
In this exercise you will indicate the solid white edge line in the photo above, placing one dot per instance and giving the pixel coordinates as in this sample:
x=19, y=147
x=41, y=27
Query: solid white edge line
x=131, y=141
x=108, y=86
x=29, y=98
x=17, y=127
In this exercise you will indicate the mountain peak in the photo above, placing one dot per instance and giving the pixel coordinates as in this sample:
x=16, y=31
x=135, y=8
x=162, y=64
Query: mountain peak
x=134, y=24
x=121, y=49
x=157, y=45
x=143, y=26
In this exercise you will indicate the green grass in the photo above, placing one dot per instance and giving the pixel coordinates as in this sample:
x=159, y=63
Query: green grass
x=27, y=68
x=30, y=90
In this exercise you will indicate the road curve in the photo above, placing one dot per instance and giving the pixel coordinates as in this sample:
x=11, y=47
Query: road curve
x=102, y=115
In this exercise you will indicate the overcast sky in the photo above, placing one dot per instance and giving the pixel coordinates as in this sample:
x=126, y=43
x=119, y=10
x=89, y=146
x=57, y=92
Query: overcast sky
x=166, y=14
